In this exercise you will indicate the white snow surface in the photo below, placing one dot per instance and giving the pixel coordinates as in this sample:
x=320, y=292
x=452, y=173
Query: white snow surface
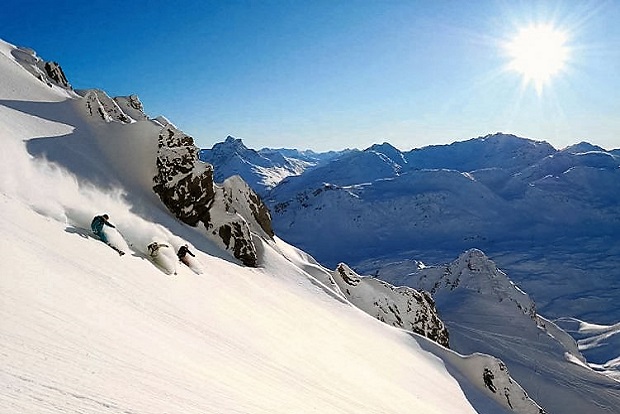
x=83, y=330
x=485, y=312
x=599, y=343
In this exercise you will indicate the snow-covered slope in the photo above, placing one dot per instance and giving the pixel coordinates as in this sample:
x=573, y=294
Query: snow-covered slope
x=424, y=207
x=84, y=330
x=598, y=343
x=486, y=312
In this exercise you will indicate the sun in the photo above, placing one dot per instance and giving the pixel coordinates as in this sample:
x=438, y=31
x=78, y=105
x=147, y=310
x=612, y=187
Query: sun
x=538, y=52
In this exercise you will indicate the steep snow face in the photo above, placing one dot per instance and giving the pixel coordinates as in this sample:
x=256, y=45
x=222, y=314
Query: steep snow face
x=402, y=307
x=485, y=312
x=112, y=143
x=91, y=332
x=425, y=207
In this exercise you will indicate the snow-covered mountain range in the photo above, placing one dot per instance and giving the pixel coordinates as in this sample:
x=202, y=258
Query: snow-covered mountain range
x=482, y=191
x=259, y=326
x=534, y=209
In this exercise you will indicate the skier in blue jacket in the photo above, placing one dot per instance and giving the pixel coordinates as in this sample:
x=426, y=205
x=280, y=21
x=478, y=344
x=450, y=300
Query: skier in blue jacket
x=97, y=226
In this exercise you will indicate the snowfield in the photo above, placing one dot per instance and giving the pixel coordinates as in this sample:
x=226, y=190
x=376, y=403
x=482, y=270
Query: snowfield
x=86, y=331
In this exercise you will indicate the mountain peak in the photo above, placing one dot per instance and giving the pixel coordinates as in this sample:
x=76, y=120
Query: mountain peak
x=235, y=142
x=233, y=146
x=500, y=137
x=473, y=272
x=582, y=147
x=382, y=147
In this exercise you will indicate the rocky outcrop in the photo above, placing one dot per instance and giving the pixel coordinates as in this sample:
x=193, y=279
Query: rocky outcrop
x=132, y=106
x=493, y=375
x=56, y=74
x=403, y=307
x=184, y=185
x=100, y=105
x=230, y=213
x=48, y=72
x=239, y=197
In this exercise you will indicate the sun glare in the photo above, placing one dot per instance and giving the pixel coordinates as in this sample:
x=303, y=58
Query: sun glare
x=538, y=53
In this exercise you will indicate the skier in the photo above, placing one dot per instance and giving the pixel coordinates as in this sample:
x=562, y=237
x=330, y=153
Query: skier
x=154, y=247
x=164, y=262
x=97, y=227
x=182, y=254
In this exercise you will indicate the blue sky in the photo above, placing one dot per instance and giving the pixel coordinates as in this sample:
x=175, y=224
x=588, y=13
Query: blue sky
x=330, y=74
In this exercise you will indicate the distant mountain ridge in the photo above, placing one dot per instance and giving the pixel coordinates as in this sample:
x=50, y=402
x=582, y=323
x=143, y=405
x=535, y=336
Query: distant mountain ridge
x=262, y=169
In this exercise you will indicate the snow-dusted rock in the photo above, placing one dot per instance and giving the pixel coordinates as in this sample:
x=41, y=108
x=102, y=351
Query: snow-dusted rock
x=100, y=105
x=494, y=374
x=132, y=106
x=239, y=197
x=403, y=307
x=229, y=214
x=48, y=72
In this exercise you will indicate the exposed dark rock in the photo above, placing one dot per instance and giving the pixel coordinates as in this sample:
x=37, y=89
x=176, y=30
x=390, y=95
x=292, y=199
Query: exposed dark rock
x=234, y=238
x=488, y=377
x=55, y=73
x=261, y=213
